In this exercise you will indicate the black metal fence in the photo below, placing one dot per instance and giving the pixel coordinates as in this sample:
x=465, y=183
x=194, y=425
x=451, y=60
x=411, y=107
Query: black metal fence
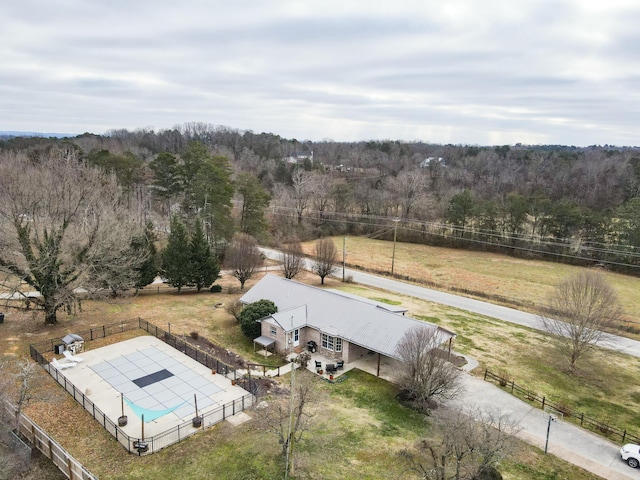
x=568, y=412
x=175, y=434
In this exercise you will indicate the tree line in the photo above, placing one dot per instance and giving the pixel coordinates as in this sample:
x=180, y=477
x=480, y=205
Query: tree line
x=575, y=204
x=96, y=211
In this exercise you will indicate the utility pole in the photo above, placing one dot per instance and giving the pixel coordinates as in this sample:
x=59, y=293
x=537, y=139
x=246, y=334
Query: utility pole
x=344, y=255
x=395, y=235
x=551, y=419
x=289, y=456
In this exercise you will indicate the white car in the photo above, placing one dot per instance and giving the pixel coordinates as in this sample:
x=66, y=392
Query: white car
x=630, y=453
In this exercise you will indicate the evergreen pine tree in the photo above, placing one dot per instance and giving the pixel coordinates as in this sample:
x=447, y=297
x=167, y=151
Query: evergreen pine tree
x=149, y=269
x=204, y=266
x=176, y=256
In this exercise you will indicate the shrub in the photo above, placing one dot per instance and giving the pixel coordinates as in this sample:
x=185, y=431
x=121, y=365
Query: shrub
x=216, y=288
x=504, y=378
x=235, y=308
x=194, y=335
x=252, y=313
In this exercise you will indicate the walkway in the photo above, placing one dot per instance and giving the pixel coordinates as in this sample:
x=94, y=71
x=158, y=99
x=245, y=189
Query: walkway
x=567, y=441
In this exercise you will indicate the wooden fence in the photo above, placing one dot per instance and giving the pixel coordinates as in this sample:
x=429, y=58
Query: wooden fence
x=39, y=439
x=568, y=412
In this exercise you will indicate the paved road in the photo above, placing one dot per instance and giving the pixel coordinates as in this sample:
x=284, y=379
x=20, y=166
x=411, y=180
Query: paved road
x=613, y=342
x=567, y=441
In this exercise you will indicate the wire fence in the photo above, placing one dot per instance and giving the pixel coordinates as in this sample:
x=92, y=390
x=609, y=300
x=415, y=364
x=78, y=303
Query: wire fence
x=152, y=444
x=568, y=412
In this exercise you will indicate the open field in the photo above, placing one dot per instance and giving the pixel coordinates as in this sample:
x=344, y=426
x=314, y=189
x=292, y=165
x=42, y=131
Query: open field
x=359, y=428
x=525, y=284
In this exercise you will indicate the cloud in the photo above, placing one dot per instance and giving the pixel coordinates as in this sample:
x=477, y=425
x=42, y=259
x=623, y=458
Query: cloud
x=563, y=72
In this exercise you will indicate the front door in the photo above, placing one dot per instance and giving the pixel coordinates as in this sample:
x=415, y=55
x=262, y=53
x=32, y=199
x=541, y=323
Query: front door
x=296, y=337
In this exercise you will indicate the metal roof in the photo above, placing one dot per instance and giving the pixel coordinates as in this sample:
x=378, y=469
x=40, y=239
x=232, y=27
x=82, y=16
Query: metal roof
x=384, y=306
x=264, y=341
x=355, y=319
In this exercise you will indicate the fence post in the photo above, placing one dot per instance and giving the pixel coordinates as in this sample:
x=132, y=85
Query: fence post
x=624, y=435
x=543, y=400
x=70, y=469
x=485, y=374
x=581, y=418
x=512, y=384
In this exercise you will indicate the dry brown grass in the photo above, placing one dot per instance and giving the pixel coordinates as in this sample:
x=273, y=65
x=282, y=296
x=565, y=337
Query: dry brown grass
x=518, y=282
x=354, y=433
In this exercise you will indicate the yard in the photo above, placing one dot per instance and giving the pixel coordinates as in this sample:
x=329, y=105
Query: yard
x=360, y=427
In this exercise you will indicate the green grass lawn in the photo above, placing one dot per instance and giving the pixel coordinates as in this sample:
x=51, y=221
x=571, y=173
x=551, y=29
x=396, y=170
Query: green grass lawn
x=357, y=431
x=360, y=426
x=604, y=387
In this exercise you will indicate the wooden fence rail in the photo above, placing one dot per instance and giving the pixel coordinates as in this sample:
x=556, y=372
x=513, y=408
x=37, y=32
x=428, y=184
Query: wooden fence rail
x=568, y=412
x=51, y=449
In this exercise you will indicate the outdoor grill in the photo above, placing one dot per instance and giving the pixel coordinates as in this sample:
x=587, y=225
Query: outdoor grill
x=312, y=346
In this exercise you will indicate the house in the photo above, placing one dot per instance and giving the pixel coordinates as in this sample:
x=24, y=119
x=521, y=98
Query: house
x=299, y=158
x=431, y=162
x=344, y=326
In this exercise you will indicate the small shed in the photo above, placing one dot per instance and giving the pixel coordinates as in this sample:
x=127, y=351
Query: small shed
x=73, y=342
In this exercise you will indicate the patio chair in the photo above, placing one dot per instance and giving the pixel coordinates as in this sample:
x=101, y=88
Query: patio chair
x=318, y=366
x=67, y=354
x=62, y=365
x=340, y=365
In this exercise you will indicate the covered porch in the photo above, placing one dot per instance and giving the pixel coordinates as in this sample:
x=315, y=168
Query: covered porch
x=373, y=363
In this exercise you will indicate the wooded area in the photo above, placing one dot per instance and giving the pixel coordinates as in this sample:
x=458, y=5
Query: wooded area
x=570, y=204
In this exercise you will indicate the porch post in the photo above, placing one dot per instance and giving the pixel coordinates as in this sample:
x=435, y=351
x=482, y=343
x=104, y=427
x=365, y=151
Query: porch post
x=378, y=374
x=449, y=357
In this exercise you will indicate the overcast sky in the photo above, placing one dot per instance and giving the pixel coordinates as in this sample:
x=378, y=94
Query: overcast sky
x=480, y=72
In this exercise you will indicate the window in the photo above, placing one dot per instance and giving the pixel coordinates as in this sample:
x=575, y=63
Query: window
x=273, y=331
x=331, y=343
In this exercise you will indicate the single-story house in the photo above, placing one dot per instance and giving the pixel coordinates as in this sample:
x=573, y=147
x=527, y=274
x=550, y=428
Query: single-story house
x=344, y=326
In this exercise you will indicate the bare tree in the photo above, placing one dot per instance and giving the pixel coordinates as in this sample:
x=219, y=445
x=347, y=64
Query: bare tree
x=243, y=257
x=289, y=418
x=234, y=308
x=320, y=185
x=407, y=189
x=579, y=311
x=292, y=259
x=303, y=188
x=426, y=373
x=25, y=380
x=325, y=257
x=16, y=392
x=465, y=444
x=59, y=220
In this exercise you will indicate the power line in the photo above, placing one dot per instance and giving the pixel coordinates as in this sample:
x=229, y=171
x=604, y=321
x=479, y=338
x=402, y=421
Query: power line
x=384, y=227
